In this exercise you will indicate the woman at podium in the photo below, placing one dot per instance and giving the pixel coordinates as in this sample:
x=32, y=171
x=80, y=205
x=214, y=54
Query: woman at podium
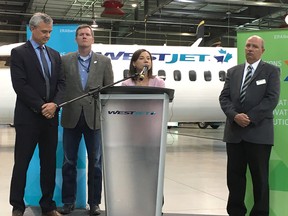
x=141, y=63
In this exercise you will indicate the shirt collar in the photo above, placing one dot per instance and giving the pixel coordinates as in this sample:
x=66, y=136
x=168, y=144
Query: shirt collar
x=35, y=44
x=254, y=65
x=86, y=57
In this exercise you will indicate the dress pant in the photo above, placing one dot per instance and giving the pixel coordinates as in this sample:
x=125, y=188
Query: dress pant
x=27, y=137
x=256, y=156
x=71, y=141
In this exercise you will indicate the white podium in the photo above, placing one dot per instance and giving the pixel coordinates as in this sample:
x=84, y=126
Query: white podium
x=134, y=126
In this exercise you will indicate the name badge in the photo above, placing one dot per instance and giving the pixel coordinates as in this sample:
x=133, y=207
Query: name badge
x=261, y=82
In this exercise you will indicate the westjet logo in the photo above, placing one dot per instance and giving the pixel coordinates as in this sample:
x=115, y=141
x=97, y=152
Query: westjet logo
x=171, y=58
x=134, y=113
x=223, y=56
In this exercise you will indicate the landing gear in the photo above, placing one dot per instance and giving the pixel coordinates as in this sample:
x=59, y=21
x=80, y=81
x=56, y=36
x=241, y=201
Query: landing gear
x=204, y=125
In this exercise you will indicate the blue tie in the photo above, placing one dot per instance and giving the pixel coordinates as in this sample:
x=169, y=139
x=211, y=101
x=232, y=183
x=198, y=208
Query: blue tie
x=46, y=71
x=246, y=83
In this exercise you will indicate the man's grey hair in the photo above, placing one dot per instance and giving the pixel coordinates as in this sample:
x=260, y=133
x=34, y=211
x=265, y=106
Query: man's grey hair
x=39, y=17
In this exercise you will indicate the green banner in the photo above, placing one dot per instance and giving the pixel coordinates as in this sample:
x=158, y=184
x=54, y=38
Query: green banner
x=276, y=49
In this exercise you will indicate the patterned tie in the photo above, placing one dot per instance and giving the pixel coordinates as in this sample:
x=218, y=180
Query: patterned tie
x=46, y=71
x=246, y=83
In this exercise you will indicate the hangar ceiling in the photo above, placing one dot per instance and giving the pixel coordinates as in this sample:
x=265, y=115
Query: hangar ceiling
x=151, y=22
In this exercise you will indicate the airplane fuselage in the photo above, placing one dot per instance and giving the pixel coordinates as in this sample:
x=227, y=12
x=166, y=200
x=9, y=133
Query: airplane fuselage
x=196, y=74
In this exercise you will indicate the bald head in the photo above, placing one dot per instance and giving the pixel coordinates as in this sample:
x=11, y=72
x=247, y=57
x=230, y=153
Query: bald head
x=254, y=48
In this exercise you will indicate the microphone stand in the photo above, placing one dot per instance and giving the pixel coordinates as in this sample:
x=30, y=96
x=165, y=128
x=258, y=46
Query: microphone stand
x=97, y=90
x=94, y=92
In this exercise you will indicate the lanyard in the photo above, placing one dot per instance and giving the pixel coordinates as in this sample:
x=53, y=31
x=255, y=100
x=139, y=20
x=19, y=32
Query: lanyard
x=81, y=61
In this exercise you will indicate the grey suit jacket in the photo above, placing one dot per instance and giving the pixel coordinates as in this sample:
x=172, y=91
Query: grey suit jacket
x=100, y=74
x=261, y=98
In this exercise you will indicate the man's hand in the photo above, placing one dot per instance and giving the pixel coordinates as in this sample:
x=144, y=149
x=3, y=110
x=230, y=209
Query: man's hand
x=48, y=110
x=242, y=120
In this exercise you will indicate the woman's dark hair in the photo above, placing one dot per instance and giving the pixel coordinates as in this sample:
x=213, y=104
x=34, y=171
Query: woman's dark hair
x=135, y=56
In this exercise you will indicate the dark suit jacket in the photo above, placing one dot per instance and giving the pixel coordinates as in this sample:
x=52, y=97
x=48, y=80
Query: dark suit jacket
x=261, y=98
x=29, y=83
x=100, y=74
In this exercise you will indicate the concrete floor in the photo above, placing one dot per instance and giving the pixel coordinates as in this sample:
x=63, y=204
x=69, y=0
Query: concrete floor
x=195, y=173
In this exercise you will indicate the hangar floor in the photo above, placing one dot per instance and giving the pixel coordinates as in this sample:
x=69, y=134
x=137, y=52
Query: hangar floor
x=195, y=173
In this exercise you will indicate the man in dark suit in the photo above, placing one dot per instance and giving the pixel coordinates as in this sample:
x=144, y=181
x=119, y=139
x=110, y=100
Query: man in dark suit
x=250, y=94
x=39, y=86
x=84, y=71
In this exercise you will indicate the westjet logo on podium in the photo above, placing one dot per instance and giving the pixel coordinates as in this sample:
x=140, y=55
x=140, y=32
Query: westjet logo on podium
x=134, y=113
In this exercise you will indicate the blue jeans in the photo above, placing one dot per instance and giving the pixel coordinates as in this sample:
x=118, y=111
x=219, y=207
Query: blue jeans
x=71, y=141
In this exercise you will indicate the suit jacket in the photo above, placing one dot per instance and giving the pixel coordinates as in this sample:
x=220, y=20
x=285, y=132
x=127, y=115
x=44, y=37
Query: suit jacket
x=29, y=83
x=261, y=98
x=100, y=74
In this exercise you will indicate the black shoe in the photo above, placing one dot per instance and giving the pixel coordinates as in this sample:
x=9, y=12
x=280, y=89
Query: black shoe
x=94, y=210
x=67, y=208
x=52, y=213
x=17, y=213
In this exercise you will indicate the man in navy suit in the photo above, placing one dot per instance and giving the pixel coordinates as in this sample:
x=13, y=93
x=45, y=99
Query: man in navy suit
x=84, y=70
x=39, y=86
x=250, y=94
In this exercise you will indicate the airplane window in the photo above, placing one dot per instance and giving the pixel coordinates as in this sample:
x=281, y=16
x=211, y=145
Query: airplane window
x=162, y=74
x=222, y=75
x=125, y=73
x=207, y=75
x=177, y=75
x=192, y=75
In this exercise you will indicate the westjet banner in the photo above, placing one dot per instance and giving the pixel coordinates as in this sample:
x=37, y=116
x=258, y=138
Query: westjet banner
x=276, y=49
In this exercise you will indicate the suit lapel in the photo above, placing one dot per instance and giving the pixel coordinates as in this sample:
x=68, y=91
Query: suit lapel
x=257, y=71
x=73, y=64
x=34, y=57
x=240, y=75
x=52, y=61
x=92, y=72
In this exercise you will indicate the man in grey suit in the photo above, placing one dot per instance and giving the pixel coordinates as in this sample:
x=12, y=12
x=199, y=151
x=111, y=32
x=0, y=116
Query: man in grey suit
x=250, y=94
x=84, y=71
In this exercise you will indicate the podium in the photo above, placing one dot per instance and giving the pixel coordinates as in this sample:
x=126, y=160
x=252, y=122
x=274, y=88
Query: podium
x=134, y=126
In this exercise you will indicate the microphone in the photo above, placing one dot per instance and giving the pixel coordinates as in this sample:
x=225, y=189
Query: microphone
x=143, y=72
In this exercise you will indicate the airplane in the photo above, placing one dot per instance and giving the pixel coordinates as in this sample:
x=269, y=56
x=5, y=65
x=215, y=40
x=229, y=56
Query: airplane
x=197, y=75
